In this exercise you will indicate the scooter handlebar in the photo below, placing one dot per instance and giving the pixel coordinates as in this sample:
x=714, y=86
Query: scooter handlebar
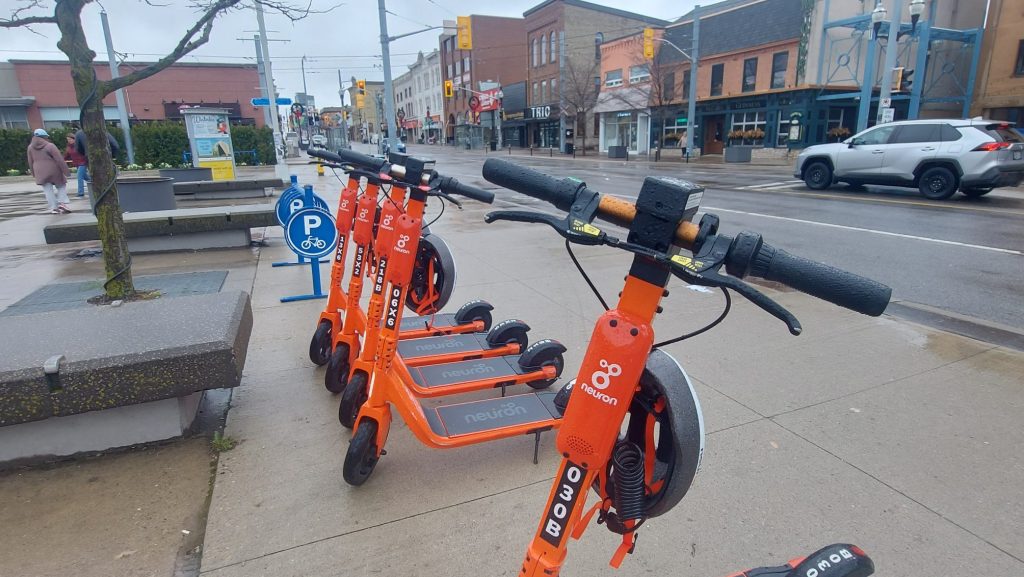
x=449, y=185
x=350, y=156
x=825, y=282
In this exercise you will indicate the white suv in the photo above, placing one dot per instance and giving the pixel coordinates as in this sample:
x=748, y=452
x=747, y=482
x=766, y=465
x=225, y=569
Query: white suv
x=937, y=157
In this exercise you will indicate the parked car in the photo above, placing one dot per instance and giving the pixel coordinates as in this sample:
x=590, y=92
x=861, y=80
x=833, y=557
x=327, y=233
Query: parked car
x=400, y=148
x=937, y=157
x=319, y=140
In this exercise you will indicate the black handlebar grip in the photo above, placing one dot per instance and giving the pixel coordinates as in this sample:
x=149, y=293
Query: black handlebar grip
x=836, y=286
x=449, y=185
x=351, y=157
x=559, y=192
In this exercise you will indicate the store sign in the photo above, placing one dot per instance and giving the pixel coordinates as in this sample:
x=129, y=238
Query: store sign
x=517, y=115
x=538, y=112
x=489, y=100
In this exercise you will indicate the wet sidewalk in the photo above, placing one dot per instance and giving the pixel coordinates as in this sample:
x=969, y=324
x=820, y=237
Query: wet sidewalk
x=876, y=431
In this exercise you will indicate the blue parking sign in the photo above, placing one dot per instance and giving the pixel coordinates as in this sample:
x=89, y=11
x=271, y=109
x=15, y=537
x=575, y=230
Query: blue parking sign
x=311, y=233
x=292, y=200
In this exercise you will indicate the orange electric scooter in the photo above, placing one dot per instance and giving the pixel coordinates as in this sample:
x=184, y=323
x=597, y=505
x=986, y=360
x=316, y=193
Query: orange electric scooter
x=380, y=378
x=426, y=340
x=633, y=430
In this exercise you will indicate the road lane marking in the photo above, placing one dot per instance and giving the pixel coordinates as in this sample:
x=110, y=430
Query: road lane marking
x=873, y=231
x=781, y=190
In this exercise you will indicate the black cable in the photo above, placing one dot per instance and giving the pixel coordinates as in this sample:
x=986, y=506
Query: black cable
x=568, y=248
x=436, y=218
x=721, y=317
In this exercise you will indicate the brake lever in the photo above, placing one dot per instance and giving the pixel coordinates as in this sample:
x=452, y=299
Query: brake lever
x=446, y=196
x=578, y=232
x=703, y=269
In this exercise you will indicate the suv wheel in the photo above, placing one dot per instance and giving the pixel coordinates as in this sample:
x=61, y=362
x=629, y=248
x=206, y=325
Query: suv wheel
x=976, y=192
x=818, y=176
x=937, y=183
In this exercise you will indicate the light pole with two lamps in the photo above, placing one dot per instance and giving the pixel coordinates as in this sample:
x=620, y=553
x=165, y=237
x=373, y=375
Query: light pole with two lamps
x=878, y=16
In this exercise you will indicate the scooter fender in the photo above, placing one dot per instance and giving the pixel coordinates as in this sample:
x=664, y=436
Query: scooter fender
x=604, y=387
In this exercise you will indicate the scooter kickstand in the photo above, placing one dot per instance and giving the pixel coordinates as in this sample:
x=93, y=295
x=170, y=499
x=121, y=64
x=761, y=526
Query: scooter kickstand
x=536, y=446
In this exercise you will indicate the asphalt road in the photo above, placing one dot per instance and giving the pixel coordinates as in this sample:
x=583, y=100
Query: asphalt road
x=961, y=255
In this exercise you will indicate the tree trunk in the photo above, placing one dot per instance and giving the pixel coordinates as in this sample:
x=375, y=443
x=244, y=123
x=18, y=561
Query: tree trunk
x=90, y=92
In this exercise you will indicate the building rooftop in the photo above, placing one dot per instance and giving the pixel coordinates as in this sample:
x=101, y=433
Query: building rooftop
x=599, y=8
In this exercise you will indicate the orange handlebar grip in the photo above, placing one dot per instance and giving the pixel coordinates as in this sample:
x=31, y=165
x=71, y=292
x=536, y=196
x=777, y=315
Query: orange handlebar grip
x=622, y=212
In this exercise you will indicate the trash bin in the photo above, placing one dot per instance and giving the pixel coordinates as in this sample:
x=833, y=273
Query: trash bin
x=494, y=145
x=569, y=148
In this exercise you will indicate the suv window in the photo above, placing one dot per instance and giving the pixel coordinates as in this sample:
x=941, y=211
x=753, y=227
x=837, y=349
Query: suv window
x=949, y=134
x=912, y=133
x=878, y=135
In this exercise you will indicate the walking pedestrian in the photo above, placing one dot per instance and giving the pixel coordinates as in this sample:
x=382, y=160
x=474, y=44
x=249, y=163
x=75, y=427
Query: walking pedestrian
x=47, y=165
x=78, y=160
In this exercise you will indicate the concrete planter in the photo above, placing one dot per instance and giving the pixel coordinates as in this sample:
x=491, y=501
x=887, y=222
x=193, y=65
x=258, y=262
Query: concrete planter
x=141, y=194
x=187, y=174
x=738, y=153
x=618, y=152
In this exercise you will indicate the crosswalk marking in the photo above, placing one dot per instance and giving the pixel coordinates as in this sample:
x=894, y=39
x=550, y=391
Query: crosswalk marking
x=780, y=185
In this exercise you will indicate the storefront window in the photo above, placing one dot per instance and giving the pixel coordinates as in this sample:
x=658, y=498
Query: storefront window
x=782, y=136
x=747, y=128
x=835, y=118
x=675, y=132
x=620, y=129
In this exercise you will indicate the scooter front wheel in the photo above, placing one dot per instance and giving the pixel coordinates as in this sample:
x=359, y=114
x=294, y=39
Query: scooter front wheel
x=336, y=375
x=320, y=344
x=361, y=457
x=353, y=398
x=545, y=353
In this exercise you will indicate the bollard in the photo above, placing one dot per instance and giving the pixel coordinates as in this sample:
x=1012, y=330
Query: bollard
x=531, y=150
x=510, y=150
x=551, y=151
x=319, y=169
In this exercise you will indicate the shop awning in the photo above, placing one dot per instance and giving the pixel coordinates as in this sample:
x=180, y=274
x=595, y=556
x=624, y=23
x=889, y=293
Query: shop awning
x=629, y=98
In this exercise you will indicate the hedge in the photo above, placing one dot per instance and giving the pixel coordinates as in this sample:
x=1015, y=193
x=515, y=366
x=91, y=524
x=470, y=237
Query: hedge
x=155, y=143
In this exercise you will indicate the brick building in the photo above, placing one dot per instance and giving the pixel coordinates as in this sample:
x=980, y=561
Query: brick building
x=555, y=83
x=630, y=88
x=366, y=121
x=40, y=93
x=498, y=58
x=999, y=93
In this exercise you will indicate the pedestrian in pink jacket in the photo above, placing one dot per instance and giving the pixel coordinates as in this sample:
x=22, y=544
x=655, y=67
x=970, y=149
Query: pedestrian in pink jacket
x=46, y=163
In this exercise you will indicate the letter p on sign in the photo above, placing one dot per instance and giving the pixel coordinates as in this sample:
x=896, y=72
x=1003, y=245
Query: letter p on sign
x=310, y=222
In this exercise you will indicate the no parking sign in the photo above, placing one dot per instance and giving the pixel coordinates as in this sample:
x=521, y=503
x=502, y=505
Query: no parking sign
x=311, y=233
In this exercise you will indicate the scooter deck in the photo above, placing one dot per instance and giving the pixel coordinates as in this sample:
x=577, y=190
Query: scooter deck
x=444, y=344
x=440, y=320
x=492, y=414
x=448, y=374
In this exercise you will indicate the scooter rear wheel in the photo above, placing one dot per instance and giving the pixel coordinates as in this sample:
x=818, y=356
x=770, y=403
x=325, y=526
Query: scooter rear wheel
x=353, y=398
x=336, y=375
x=320, y=344
x=361, y=457
x=545, y=353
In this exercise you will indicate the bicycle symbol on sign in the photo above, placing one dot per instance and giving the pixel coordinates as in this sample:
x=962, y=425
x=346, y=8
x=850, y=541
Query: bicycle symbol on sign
x=313, y=242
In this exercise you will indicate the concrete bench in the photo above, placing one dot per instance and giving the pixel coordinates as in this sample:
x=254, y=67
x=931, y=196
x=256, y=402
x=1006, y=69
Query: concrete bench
x=96, y=377
x=222, y=189
x=170, y=230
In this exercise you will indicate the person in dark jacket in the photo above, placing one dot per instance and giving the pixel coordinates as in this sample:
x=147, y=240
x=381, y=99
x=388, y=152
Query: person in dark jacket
x=115, y=148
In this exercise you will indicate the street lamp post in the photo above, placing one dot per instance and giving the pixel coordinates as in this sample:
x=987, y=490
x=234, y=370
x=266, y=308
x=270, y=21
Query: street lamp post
x=691, y=98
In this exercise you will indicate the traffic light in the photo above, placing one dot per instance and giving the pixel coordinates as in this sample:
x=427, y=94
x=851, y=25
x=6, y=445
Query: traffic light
x=649, y=43
x=449, y=90
x=464, y=35
x=361, y=85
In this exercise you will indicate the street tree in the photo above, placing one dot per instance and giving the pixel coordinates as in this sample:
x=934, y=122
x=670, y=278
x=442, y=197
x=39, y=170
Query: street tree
x=90, y=91
x=579, y=92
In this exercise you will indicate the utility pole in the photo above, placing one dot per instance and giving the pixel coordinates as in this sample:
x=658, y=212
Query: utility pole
x=281, y=169
x=262, y=73
x=305, y=102
x=122, y=110
x=892, y=48
x=344, y=123
x=389, y=91
x=691, y=105
x=561, y=95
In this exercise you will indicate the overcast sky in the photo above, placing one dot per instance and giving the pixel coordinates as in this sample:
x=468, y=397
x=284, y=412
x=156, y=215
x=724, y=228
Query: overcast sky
x=346, y=39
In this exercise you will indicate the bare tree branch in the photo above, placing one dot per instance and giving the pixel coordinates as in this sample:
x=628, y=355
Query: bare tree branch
x=16, y=20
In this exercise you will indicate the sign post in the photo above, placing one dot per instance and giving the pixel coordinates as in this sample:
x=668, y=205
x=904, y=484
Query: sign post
x=291, y=200
x=209, y=134
x=311, y=233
